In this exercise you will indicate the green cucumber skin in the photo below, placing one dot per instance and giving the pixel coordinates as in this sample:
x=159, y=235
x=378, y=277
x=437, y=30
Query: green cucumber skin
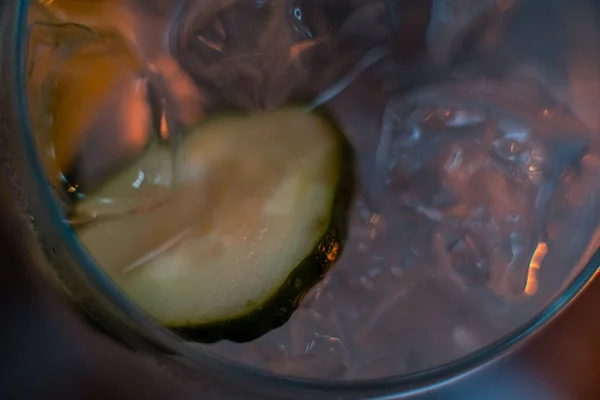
x=279, y=308
x=274, y=312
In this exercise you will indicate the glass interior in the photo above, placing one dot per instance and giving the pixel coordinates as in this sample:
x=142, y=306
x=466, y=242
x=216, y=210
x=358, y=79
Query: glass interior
x=472, y=126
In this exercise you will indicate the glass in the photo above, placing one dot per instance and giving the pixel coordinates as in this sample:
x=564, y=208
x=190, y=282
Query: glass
x=475, y=142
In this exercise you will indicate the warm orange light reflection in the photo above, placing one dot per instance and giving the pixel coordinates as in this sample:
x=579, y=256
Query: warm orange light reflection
x=534, y=267
x=299, y=48
x=134, y=115
x=164, y=130
x=333, y=252
x=186, y=96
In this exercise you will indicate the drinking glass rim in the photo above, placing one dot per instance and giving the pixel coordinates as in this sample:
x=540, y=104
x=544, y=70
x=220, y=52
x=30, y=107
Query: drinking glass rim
x=247, y=377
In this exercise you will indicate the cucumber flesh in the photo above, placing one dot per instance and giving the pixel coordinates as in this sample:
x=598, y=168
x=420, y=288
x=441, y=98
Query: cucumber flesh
x=255, y=202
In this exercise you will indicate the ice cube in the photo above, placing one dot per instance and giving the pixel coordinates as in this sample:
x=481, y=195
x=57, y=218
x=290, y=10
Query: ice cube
x=466, y=158
x=308, y=345
x=240, y=51
x=465, y=256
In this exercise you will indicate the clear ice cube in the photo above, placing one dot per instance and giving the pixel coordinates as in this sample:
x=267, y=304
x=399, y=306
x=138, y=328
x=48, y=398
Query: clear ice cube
x=480, y=171
x=309, y=345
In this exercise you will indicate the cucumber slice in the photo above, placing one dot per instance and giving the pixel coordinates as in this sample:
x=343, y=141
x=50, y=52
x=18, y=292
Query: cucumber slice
x=258, y=217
